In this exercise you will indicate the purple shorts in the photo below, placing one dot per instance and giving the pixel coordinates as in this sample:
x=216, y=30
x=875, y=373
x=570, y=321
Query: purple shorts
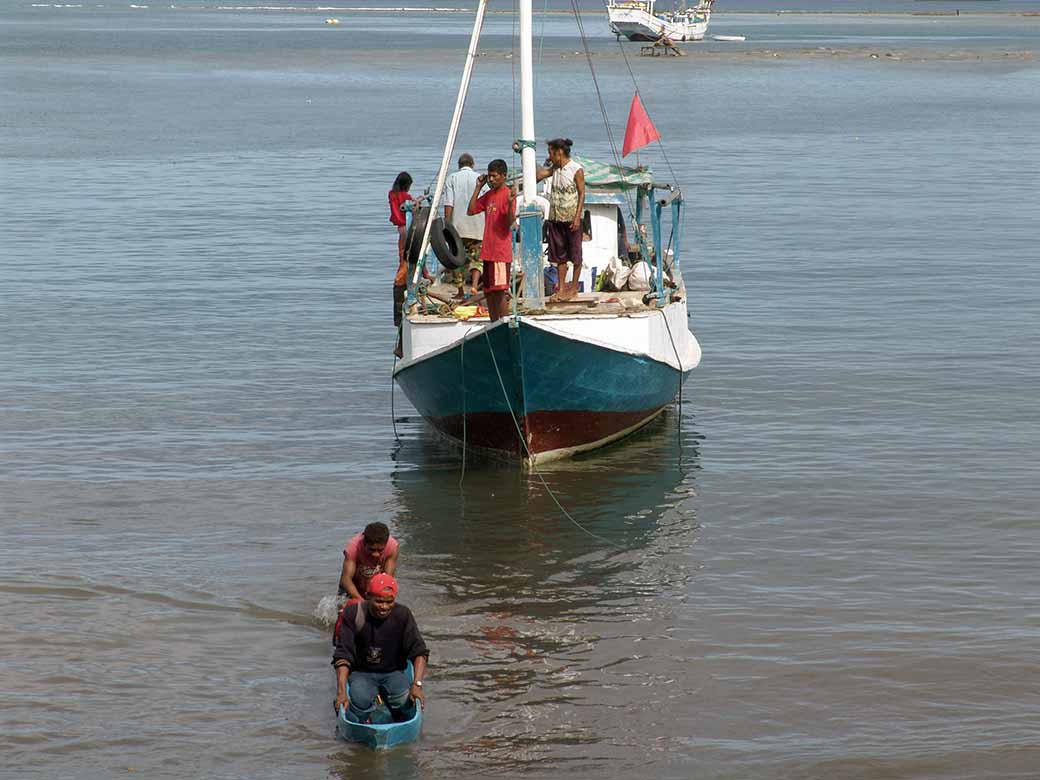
x=564, y=243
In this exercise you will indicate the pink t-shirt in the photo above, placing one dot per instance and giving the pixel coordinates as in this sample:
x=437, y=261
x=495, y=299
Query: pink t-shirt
x=367, y=566
x=398, y=199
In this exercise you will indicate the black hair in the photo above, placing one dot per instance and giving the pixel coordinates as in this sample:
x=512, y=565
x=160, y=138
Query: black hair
x=498, y=166
x=402, y=182
x=465, y=159
x=564, y=144
x=377, y=533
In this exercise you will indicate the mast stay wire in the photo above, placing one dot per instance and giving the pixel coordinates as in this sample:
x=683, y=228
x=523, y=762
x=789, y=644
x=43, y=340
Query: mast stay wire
x=541, y=41
x=599, y=100
x=617, y=159
x=512, y=63
x=449, y=146
x=603, y=110
x=635, y=83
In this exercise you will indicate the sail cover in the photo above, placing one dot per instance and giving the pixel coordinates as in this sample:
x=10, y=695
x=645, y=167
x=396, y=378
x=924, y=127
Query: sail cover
x=604, y=177
x=614, y=178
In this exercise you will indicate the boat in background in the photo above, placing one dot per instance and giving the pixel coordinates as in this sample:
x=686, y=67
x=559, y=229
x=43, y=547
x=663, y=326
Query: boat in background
x=637, y=20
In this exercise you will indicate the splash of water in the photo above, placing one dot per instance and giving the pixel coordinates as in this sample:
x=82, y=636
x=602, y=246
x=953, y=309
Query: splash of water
x=328, y=608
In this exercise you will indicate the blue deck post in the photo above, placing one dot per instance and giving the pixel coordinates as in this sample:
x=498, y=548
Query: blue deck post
x=531, y=256
x=640, y=240
x=655, y=222
x=676, y=228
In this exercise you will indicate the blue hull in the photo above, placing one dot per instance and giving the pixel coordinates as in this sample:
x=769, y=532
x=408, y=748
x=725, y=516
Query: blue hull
x=563, y=394
x=381, y=735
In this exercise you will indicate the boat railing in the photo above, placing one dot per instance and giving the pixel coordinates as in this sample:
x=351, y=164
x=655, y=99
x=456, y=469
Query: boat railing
x=632, y=5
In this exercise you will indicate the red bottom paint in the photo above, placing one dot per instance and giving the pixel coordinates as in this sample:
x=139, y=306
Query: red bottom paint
x=544, y=431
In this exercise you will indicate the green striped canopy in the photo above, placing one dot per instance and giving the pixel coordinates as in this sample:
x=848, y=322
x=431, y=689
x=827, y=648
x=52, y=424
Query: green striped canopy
x=602, y=176
x=609, y=178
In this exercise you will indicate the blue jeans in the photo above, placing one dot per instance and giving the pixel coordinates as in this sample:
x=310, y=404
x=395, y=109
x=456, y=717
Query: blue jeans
x=365, y=686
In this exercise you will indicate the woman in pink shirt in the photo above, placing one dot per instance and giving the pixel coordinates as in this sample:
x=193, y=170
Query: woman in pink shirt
x=398, y=196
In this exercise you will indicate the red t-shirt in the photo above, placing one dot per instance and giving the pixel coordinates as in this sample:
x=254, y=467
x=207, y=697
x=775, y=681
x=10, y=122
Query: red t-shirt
x=367, y=567
x=396, y=199
x=497, y=246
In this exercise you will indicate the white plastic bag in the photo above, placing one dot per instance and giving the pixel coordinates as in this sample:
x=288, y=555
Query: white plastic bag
x=615, y=275
x=640, y=277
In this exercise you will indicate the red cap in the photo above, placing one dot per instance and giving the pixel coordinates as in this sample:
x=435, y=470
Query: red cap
x=382, y=585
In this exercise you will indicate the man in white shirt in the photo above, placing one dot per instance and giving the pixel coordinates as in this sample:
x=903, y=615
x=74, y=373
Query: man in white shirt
x=458, y=190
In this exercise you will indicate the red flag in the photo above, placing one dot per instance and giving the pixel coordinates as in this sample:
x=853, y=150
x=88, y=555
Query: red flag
x=640, y=130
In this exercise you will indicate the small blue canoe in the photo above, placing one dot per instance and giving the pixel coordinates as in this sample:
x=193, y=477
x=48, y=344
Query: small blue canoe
x=382, y=732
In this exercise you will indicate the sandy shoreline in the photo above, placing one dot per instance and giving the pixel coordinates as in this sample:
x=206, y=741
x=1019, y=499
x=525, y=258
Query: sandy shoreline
x=694, y=52
x=345, y=10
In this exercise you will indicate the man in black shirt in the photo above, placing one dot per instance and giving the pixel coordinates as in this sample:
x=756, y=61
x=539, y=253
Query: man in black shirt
x=373, y=650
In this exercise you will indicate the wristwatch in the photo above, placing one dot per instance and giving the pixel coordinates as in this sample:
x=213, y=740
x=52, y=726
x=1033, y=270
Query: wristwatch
x=419, y=683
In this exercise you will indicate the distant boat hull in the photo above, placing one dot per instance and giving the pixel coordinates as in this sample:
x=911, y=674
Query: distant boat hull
x=549, y=388
x=636, y=23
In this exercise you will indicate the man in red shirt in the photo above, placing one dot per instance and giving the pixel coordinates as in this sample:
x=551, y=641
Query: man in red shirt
x=498, y=205
x=368, y=553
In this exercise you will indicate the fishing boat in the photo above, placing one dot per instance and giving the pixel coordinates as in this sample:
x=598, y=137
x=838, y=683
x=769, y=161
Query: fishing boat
x=554, y=378
x=638, y=20
x=382, y=732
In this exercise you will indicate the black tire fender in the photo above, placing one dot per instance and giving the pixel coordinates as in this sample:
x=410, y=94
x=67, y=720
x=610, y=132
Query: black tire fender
x=447, y=245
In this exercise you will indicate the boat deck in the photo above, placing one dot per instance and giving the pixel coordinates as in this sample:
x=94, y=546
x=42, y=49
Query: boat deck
x=609, y=304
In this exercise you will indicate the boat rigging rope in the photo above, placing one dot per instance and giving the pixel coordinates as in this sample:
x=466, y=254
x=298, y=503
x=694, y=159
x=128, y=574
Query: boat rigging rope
x=462, y=370
x=512, y=66
x=603, y=110
x=678, y=361
x=534, y=466
x=621, y=48
x=393, y=414
x=541, y=42
x=602, y=106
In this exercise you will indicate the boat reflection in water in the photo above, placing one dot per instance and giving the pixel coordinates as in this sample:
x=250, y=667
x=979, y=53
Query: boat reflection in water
x=515, y=597
x=502, y=534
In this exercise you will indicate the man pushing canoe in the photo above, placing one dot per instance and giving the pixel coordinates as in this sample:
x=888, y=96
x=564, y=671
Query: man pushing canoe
x=367, y=554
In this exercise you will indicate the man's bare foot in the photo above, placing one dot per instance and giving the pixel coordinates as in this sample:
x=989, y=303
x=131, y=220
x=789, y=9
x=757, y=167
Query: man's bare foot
x=566, y=294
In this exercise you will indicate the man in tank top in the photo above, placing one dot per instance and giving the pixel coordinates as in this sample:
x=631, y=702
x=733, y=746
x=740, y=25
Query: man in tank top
x=566, y=208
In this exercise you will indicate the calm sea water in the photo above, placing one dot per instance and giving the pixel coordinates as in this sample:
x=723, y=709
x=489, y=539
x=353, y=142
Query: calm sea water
x=822, y=566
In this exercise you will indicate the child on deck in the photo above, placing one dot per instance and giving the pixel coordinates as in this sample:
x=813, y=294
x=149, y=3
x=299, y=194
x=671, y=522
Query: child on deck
x=498, y=205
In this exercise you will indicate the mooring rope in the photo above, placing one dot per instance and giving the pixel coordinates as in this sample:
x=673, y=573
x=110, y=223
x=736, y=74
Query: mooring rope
x=534, y=466
x=678, y=361
x=462, y=369
x=393, y=414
